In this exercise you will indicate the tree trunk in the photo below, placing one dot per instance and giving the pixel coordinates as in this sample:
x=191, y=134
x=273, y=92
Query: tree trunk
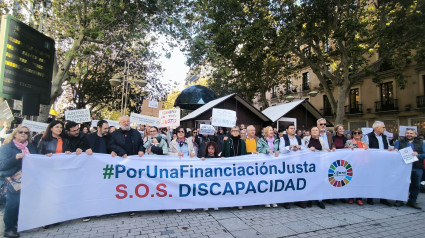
x=342, y=95
x=263, y=97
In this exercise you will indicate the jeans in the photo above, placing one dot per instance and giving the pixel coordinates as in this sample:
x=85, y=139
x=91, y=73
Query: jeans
x=11, y=210
x=415, y=184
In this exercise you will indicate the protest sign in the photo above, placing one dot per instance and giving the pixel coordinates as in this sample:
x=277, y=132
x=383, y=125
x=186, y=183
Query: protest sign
x=142, y=119
x=206, y=129
x=110, y=122
x=153, y=104
x=35, y=126
x=389, y=135
x=78, y=116
x=407, y=154
x=223, y=117
x=5, y=112
x=366, y=130
x=64, y=187
x=169, y=118
x=403, y=129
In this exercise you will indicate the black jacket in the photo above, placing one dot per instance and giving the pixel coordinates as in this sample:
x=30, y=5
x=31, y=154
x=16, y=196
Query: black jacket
x=92, y=142
x=117, y=141
x=76, y=142
x=46, y=147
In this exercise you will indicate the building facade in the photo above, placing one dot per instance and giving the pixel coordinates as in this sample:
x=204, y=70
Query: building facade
x=367, y=101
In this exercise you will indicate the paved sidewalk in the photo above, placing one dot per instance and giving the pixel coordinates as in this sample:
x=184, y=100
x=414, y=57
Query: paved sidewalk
x=340, y=220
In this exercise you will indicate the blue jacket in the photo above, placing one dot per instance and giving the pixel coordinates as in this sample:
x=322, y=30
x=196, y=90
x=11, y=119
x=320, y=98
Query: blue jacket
x=9, y=165
x=117, y=143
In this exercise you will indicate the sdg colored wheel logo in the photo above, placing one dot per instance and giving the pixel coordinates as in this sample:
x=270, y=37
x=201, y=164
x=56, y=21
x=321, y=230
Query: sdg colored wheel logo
x=340, y=173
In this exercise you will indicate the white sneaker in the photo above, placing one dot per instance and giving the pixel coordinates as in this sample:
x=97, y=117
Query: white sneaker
x=132, y=214
x=178, y=210
x=205, y=209
x=216, y=209
x=86, y=219
x=274, y=205
x=267, y=205
x=240, y=208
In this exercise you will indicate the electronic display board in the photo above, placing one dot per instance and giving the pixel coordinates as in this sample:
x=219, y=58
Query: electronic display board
x=26, y=58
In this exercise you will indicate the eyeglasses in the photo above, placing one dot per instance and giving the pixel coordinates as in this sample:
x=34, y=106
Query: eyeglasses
x=235, y=130
x=322, y=124
x=180, y=131
x=23, y=132
x=152, y=131
x=357, y=133
x=195, y=132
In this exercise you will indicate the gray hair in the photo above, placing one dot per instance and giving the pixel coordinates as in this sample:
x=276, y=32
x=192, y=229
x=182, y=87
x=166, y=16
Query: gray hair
x=321, y=119
x=236, y=127
x=377, y=124
x=250, y=126
x=411, y=129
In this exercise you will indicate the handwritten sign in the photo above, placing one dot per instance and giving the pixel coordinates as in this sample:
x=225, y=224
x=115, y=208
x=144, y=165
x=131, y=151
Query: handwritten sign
x=110, y=122
x=206, y=129
x=142, y=119
x=407, y=154
x=153, y=104
x=5, y=112
x=223, y=117
x=403, y=129
x=78, y=116
x=35, y=126
x=169, y=118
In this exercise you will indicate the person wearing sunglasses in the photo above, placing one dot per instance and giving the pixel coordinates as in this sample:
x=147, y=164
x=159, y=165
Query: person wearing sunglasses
x=356, y=142
x=325, y=135
x=14, y=149
x=182, y=146
x=234, y=145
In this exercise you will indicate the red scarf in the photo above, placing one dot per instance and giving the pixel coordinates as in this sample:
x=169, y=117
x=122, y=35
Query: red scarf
x=22, y=146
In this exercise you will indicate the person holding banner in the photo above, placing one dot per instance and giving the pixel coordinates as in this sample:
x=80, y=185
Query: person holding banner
x=54, y=140
x=75, y=137
x=126, y=140
x=182, y=146
x=269, y=144
x=314, y=142
x=251, y=140
x=290, y=141
x=157, y=144
x=339, y=138
x=14, y=149
x=418, y=148
x=325, y=135
x=234, y=145
x=377, y=140
x=97, y=141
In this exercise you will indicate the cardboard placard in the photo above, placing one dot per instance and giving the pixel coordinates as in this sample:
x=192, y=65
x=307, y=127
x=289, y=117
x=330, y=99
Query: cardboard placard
x=142, y=119
x=206, y=129
x=169, y=118
x=223, y=117
x=78, y=116
x=153, y=104
x=35, y=126
x=5, y=112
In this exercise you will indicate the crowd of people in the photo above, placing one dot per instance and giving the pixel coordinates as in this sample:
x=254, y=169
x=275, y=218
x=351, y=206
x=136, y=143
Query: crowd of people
x=71, y=137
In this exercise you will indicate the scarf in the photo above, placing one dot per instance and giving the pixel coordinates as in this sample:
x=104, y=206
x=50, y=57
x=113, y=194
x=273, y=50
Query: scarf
x=22, y=146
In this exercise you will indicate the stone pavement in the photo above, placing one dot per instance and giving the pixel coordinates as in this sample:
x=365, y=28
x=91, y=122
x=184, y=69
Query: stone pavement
x=340, y=220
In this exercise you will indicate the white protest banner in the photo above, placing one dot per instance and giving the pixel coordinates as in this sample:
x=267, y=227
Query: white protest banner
x=206, y=129
x=110, y=122
x=142, y=119
x=64, y=187
x=389, y=135
x=5, y=112
x=78, y=116
x=17, y=105
x=153, y=104
x=35, y=125
x=223, y=117
x=169, y=118
x=403, y=129
x=407, y=154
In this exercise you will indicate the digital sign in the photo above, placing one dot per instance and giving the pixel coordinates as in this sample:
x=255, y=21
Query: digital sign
x=26, y=58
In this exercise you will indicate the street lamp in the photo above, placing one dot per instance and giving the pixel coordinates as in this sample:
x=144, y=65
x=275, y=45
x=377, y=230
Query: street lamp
x=44, y=4
x=313, y=93
x=123, y=78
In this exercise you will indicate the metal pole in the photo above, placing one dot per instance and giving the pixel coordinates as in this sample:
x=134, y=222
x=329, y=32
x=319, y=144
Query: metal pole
x=40, y=24
x=126, y=87
x=122, y=94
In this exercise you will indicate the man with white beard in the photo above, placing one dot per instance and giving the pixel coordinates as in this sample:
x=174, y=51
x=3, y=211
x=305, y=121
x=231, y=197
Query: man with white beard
x=126, y=141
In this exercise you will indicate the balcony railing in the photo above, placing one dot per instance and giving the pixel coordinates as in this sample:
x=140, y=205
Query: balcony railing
x=420, y=101
x=306, y=86
x=390, y=105
x=353, y=109
x=327, y=112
